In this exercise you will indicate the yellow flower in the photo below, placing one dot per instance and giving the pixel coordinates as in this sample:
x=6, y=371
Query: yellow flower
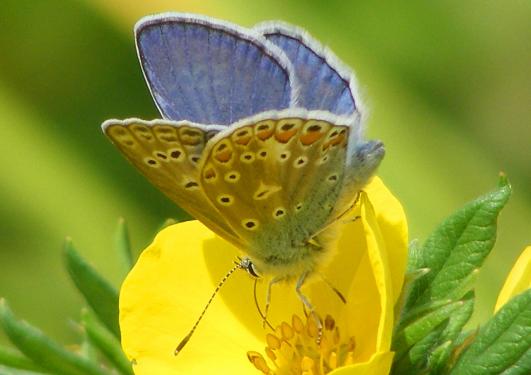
x=174, y=277
x=518, y=280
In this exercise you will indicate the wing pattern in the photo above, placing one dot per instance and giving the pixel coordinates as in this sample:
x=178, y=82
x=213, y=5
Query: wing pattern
x=168, y=153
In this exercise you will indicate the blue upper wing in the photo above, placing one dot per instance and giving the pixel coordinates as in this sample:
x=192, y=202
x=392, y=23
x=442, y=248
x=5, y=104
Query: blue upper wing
x=324, y=82
x=211, y=72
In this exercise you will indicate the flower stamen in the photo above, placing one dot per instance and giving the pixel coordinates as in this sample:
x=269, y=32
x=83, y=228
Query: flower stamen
x=293, y=349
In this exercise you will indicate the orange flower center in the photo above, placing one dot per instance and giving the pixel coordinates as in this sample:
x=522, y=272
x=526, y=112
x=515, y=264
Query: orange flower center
x=297, y=349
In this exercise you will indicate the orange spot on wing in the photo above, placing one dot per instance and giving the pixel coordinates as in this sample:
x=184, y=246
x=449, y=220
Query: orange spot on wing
x=243, y=140
x=339, y=138
x=285, y=136
x=264, y=134
x=224, y=156
x=209, y=173
x=242, y=136
x=309, y=138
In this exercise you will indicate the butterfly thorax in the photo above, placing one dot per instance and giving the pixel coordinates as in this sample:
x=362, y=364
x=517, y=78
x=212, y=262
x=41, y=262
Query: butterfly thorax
x=289, y=257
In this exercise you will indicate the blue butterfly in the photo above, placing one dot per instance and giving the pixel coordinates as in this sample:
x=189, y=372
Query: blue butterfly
x=262, y=137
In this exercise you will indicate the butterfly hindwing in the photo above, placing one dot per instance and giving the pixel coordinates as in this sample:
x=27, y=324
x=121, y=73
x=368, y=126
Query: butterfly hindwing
x=210, y=71
x=276, y=180
x=167, y=153
x=325, y=83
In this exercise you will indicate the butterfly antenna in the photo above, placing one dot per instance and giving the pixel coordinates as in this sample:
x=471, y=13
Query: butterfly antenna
x=336, y=291
x=264, y=318
x=238, y=265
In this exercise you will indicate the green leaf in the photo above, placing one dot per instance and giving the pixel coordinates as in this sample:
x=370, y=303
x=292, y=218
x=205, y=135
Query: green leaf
x=87, y=349
x=13, y=371
x=458, y=248
x=409, y=279
x=101, y=296
x=503, y=344
x=43, y=350
x=438, y=357
x=15, y=359
x=123, y=246
x=106, y=342
x=415, y=360
x=415, y=331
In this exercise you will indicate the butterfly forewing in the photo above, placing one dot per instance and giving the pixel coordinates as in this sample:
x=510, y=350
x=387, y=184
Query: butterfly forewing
x=275, y=181
x=212, y=72
x=168, y=153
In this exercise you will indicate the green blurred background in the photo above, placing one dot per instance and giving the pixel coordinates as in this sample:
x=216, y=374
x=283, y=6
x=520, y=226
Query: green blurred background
x=448, y=84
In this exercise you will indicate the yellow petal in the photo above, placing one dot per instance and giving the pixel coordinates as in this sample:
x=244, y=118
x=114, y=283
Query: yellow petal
x=378, y=256
x=519, y=279
x=379, y=364
x=173, y=279
x=393, y=226
x=164, y=294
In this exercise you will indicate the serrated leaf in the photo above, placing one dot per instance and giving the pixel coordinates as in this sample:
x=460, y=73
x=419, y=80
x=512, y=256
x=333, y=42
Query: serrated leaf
x=418, y=312
x=409, y=279
x=101, y=296
x=414, y=257
x=503, y=344
x=42, y=350
x=457, y=248
x=435, y=348
x=107, y=343
x=438, y=357
x=123, y=246
x=414, y=362
x=458, y=319
x=15, y=359
x=416, y=330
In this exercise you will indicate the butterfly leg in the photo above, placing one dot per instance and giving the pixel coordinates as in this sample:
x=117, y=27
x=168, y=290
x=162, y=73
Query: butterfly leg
x=307, y=305
x=273, y=281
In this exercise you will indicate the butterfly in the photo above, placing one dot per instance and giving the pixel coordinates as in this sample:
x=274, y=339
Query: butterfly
x=261, y=137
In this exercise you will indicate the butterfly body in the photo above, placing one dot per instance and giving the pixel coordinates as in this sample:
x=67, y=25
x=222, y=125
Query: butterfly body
x=261, y=138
